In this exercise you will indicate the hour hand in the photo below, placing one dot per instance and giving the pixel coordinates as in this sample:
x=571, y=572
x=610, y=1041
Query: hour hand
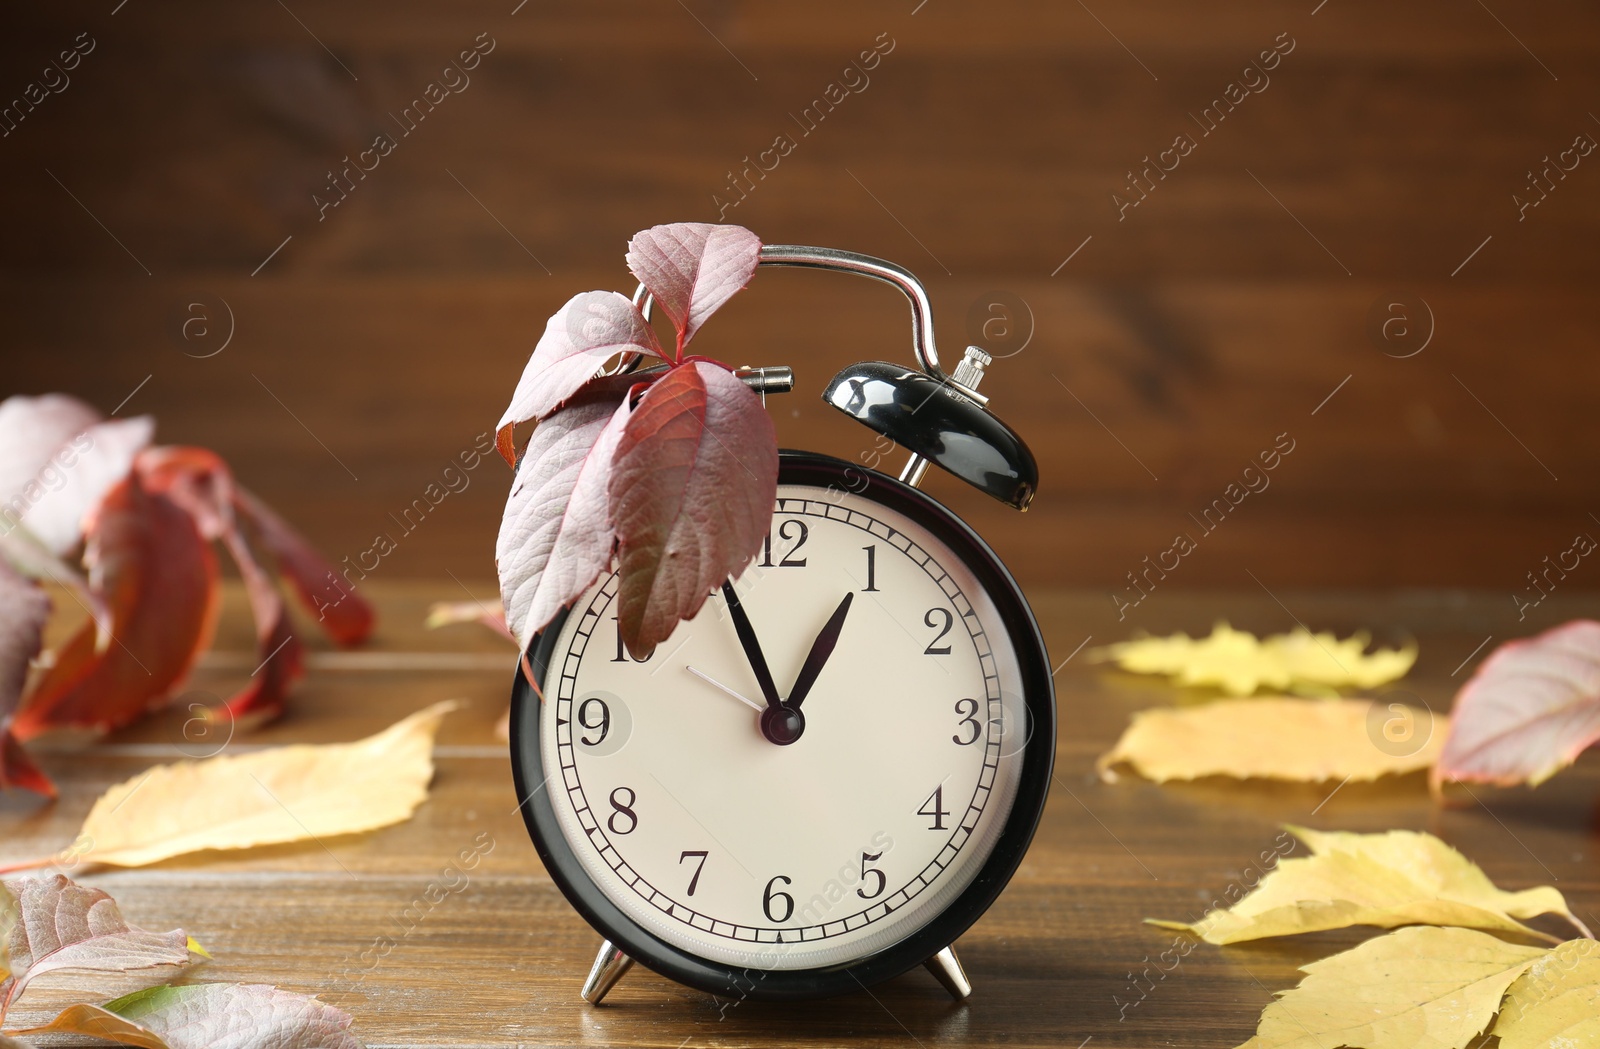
x=752, y=647
x=821, y=649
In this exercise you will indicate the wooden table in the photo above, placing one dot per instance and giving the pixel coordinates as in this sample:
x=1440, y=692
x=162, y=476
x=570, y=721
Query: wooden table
x=1059, y=961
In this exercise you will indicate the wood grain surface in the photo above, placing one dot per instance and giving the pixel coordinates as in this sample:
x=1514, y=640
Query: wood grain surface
x=1060, y=960
x=166, y=249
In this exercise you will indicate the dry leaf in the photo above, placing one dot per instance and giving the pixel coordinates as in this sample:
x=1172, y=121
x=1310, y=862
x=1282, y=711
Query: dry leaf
x=1238, y=663
x=1288, y=739
x=1529, y=711
x=268, y=797
x=23, y=611
x=61, y=926
x=1420, y=988
x=1556, y=1003
x=449, y=613
x=211, y=1016
x=1387, y=880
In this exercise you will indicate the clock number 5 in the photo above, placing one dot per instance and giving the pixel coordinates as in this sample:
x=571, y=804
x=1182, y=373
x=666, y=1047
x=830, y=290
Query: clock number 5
x=865, y=871
x=934, y=807
x=696, y=879
x=768, y=896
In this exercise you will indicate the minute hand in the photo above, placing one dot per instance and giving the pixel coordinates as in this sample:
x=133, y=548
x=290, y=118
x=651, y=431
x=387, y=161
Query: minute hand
x=752, y=647
x=821, y=649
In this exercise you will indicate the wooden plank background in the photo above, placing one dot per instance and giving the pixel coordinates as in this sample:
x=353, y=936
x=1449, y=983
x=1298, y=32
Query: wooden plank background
x=982, y=151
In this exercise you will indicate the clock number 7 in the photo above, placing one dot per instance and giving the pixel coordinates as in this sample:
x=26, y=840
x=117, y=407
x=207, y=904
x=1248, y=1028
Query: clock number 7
x=696, y=879
x=938, y=811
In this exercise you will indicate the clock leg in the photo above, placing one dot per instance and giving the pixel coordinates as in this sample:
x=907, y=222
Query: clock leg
x=609, y=966
x=946, y=967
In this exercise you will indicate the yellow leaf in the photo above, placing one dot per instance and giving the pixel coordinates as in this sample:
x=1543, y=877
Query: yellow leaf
x=284, y=794
x=8, y=921
x=1238, y=663
x=1556, y=1003
x=1399, y=878
x=1288, y=739
x=1419, y=988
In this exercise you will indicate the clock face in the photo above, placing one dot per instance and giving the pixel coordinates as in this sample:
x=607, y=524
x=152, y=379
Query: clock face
x=712, y=838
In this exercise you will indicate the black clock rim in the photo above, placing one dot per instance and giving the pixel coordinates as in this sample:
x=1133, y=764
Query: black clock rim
x=741, y=982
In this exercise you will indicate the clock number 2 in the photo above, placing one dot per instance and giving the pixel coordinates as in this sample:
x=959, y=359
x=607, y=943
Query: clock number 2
x=623, y=807
x=932, y=620
x=967, y=718
x=695, y=880
x=934, y=807
x=768, y=896
x=865, y=871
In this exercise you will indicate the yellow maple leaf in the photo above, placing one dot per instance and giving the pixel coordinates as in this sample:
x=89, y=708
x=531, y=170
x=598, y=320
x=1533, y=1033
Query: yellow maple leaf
x=1387, y=880
x=1417, y=988
x=1288, y=739
x=1556, y=1002
x=268, y=797
x=1239, y=663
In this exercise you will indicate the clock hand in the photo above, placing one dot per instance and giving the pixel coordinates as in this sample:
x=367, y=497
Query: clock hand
x=708, y=679
x=752, y=647
x=821, y=649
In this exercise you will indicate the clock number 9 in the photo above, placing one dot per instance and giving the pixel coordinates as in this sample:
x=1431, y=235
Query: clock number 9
x=623, y=808
x=865, y=870
x=604, y=724
x=932, y=620
x=768, y=896
x=967, y=718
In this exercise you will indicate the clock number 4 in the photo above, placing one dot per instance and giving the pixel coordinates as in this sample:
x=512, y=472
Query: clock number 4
x=934, y=807
x=797, y=534
x=695, y=879
x=769, y=896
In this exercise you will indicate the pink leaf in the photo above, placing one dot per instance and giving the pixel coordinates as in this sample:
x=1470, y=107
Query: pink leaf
x=59, y=462
x=343, y=616
x=557, y=533
x=23, y=611
x=692, y=489
x=211, y=1016
x=692, y=268
x=1528, y=712
x=589, y=330
x=61, y=925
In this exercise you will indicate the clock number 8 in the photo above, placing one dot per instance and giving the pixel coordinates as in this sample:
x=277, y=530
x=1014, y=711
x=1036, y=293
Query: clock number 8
x=768, y=896
x=623, y=807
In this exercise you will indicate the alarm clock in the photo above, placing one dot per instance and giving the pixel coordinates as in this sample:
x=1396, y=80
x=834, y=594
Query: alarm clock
x=824, y=778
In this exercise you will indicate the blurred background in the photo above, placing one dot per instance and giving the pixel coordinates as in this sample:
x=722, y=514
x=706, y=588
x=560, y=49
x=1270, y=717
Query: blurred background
x=1199, y=235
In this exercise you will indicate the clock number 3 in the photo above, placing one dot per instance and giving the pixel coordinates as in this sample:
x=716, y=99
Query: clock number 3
x=695, y=880
x=623, y=806
x=967, y=718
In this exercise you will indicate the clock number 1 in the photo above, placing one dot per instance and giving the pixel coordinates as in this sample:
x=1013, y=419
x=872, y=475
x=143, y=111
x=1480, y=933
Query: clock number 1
x=696, y=879
x=872, y=570
x=938, y=811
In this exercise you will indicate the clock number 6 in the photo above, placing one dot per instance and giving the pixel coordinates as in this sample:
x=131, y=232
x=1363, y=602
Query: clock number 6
x=623, y=808
x=696, y=879
x=967, y=718
x=768, y=896
x=865, y=870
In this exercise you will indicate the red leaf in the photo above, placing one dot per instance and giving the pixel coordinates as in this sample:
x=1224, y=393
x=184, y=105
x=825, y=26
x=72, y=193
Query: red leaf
x=342, y=614
x=23, y=611
x=200, y=482
x=557, y=533
x=1528, y=712
x=160, y=580
x=692, y=488
x=589, y=330
x=57, y=461
x=692, y=268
